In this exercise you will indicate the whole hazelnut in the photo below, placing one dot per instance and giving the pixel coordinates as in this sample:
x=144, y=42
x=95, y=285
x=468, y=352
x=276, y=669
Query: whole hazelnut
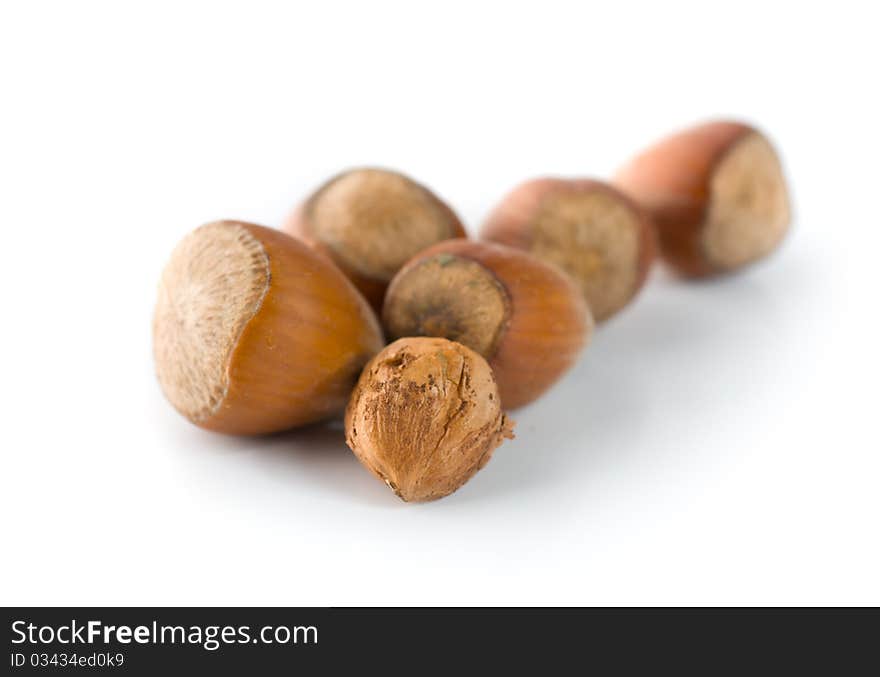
x=590, y=230
x=716, y=194
x=425, y=417
x=254, y=332
x=370, y=222
x=525, y=317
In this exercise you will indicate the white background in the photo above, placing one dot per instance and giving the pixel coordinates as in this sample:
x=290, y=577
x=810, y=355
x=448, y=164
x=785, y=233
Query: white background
x=717, y=443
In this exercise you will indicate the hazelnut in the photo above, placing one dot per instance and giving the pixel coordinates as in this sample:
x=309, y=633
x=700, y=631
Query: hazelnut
x=524, y=316
x=370, y=222
x=254, y=332
x=716, y=194
x=425, y=417
x=587, y=228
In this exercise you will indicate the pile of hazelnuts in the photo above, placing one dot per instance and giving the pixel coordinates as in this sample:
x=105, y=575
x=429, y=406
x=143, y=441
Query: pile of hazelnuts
x=372, y=301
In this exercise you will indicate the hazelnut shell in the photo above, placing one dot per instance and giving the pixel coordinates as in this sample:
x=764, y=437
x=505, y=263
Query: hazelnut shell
x=255, y=333
x=373, y=221
x=610, y=231
x=529, y=343
x=716, y=194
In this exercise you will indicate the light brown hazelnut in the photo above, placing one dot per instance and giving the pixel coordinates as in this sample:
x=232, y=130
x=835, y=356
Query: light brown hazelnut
x=425, y=417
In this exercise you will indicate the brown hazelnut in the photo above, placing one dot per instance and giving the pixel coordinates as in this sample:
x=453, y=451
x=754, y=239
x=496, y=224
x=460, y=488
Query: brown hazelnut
x=425, y=417
x=590, y=230
x=370, y=222
x=254, y=332
x=524, y=316
x=716, y=194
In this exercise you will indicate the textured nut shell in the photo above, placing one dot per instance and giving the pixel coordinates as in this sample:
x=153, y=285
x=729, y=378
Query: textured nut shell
x=672, y=180
x=213, y=284
x=372, y=290
x=297, y=359
x=548, y=325
x=299, y=223
x=425, y=417
x=512, y=222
